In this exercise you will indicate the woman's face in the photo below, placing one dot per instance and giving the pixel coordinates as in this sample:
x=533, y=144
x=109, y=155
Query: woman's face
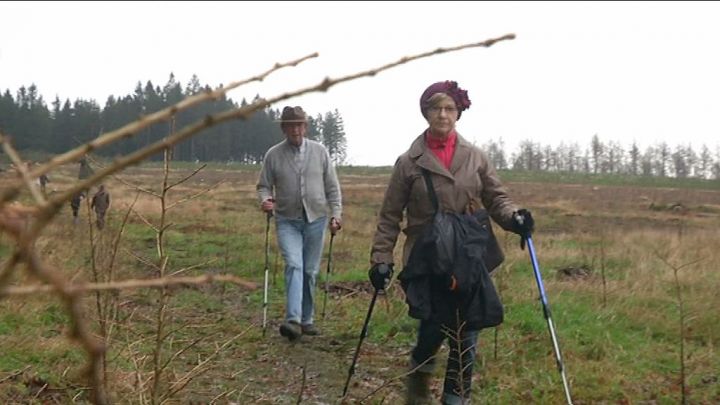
x=442, y=116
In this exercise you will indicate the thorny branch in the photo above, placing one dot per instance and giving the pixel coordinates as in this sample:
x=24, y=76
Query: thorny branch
x=135, y=186
x=133, y=128
x=194, y=196
x=201, y=366
x=394, y=380
x=186, y=178
x=76, y=288
x=681, y=308
x=22, y=169
x=15, y=219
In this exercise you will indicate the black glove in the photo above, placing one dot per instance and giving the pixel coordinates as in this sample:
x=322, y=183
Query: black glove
x=380, y=275
x=523, y=225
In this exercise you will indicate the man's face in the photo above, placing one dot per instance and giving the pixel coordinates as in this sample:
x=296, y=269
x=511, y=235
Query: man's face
x=294, y=132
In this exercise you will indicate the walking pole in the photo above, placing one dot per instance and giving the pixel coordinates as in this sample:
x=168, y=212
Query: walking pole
x=351, y=371
x=267, y=265
x=546, y=312
x=327, y=275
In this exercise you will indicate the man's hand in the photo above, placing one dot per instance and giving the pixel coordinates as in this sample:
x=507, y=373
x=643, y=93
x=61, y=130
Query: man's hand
x=268, y=205
x=380, y=275
x=335, y=225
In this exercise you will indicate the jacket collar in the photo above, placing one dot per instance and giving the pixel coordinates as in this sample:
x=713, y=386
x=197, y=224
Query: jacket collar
x=291, y=152
x=424, y=158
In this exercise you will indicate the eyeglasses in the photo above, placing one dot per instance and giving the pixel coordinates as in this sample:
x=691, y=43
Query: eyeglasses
x=449, y=110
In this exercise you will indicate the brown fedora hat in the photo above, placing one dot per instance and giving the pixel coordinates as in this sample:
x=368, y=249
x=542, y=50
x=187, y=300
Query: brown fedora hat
x=292, y=114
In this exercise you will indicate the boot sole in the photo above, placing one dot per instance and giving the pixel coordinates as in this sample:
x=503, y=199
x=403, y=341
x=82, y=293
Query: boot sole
x=289, y=333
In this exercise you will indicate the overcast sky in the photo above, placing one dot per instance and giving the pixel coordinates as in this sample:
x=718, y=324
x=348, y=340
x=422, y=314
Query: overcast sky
x=642, y=72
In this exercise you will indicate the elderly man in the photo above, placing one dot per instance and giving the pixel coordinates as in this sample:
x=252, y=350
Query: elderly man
x=299, y=184
x=100, y=203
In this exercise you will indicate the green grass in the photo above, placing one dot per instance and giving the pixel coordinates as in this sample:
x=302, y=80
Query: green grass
x=4, y=250
x=623, y=351
x=36, y=338
x=42, y=361
x=592, y=339
x=51, y=316
x=10, y=323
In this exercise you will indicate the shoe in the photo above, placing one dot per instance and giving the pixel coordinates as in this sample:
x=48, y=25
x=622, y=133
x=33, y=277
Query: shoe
x=418, y=389
x=310, y=330
x=291, y=330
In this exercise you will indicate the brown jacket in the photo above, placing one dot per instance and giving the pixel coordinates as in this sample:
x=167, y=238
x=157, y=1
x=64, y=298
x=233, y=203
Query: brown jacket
x=470, y=182
x=101, y=201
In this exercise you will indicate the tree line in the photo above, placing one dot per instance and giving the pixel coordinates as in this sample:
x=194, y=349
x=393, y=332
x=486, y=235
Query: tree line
x=609, y=157
x=55, y=129
x=35, y=126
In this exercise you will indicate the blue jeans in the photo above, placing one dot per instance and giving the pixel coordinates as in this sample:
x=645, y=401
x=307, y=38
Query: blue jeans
x=430, y=338
x=301, y=245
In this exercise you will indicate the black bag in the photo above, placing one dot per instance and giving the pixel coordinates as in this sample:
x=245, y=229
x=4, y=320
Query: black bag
x=446, y=278
x=494, y=256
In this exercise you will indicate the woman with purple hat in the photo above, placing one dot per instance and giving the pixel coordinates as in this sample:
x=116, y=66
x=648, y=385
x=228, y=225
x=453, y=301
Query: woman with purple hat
x=441, y=172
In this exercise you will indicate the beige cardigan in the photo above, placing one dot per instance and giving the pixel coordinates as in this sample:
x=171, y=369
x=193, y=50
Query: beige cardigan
x=314, y=186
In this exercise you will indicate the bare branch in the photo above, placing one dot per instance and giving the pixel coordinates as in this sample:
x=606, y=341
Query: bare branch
x=80, y=330
x=196, y=195
x=162, y=115
x=302, y=383
x=135, y=186
x=194, y=266
x=222, y=395
x=9, y=266
x=22, y=169
x=14, y=218
x=111, y=303
x=15, y=291
x=13, y=375
x=184, y=349
x=244, y=113
x=116, y=241
x=145, y=220
x=200, y=367
x=142, y=260
x=672, y=266
x=51, y=207
x=188, y=177
x=396, y=378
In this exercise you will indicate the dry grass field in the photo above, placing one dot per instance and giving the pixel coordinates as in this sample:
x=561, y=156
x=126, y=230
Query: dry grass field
x=631, y=273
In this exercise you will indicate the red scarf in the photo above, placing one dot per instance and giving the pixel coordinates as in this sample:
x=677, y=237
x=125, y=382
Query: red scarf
x=443, y=149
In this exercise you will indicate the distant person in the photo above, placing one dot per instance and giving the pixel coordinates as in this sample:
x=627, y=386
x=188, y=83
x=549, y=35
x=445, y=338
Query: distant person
x=299, y=184
x=75, y=205
x=100, y=203
x=43, y=180
x=85, y=169
x=461, y=180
